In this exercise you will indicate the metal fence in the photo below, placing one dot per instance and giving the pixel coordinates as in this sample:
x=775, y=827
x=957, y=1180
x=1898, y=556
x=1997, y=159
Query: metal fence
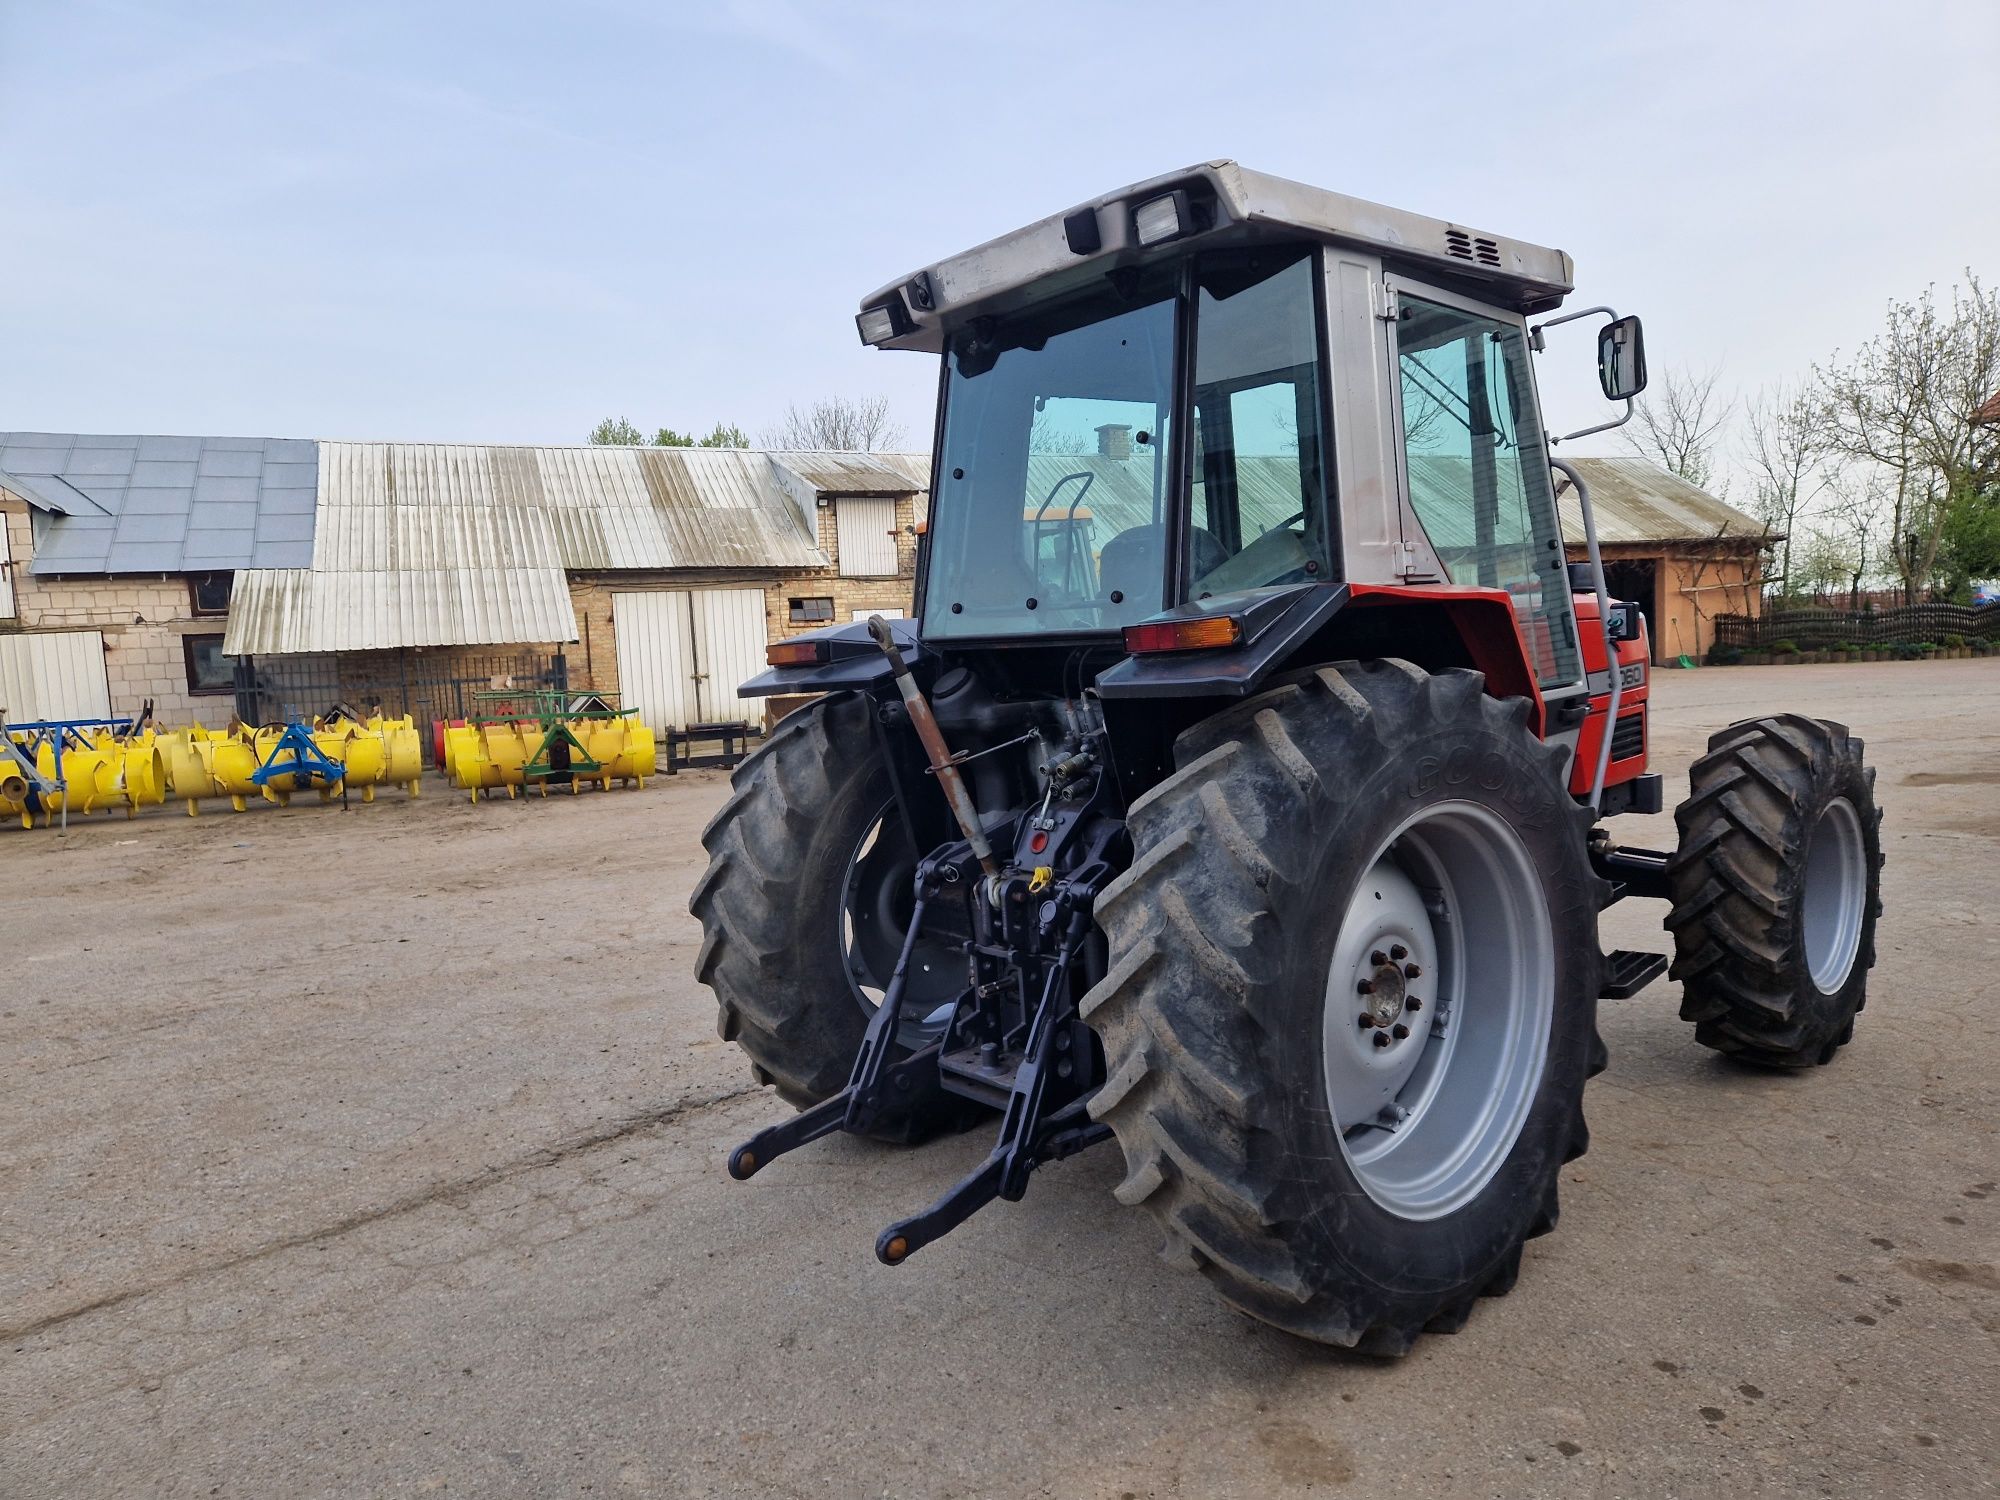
x=1813, y=629
x=427, y=686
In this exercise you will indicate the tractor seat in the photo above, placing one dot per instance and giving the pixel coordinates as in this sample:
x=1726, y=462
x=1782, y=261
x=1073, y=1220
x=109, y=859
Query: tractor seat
x=1133, y=561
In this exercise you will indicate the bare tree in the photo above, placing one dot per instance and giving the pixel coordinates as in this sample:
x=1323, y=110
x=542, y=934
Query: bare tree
x=1045, y=437
x=1856, y=513
x=1785, y=451
x=1906, y=403
x=843, y=424
x=1677, y=424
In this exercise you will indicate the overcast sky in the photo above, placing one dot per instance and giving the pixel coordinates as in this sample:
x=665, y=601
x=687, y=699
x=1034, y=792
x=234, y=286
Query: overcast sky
x=501, y=222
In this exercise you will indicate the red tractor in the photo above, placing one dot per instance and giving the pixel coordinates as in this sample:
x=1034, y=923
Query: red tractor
x=1238, y=789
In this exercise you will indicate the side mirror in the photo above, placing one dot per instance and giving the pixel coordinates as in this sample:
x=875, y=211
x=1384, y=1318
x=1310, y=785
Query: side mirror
x=1621, y=359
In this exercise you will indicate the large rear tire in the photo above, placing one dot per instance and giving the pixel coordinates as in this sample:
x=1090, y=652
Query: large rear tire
x=1351, y=1190
x=803, y=908
x=1776, y=886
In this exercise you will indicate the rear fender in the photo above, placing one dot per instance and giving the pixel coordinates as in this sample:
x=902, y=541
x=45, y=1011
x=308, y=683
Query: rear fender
x=853, y=660
x=1435, y=627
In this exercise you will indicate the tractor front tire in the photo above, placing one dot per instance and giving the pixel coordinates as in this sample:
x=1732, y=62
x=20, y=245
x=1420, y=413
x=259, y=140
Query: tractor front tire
x=1353, y=1190
x=781, y=851
x=1776, y=886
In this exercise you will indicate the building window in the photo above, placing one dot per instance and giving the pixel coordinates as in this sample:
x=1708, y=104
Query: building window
x=811, y=611
x=208, y=670
x=209, y=592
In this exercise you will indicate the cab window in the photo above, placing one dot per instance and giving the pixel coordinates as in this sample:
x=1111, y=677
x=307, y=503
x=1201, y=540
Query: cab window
x=1258, y=492
x=1479, y=470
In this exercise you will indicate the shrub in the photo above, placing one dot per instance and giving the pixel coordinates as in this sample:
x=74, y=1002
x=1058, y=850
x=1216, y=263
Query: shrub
x=1954, y=641
x=1785, y=648
x=1720, y=655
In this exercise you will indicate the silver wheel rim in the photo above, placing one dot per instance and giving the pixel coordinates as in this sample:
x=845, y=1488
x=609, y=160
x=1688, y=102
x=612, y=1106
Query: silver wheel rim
x=1445, y=952
x=1836, y=888
x=889, y=896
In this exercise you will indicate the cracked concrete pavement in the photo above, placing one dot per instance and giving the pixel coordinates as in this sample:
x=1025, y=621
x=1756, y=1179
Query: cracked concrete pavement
x=380, y=1153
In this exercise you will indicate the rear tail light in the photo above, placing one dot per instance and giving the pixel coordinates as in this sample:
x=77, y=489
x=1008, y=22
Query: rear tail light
x=795, y=653
x=1205, y=633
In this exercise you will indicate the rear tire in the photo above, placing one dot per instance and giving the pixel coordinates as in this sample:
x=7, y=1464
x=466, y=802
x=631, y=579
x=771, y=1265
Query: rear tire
x=1776, y=886
x=774, y=949
x=1230, y=1000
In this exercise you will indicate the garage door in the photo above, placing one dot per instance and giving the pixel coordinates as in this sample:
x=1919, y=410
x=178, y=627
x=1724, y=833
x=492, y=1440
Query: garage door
x=59, y=675
x=683, y=652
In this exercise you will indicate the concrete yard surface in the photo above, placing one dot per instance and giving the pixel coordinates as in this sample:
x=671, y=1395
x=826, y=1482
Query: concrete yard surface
x=380, y=1153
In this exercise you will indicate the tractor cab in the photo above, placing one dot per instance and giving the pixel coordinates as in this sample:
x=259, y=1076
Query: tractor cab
x=1261, y=391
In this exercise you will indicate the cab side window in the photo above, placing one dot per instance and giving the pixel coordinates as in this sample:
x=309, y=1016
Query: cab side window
x=1479, y=470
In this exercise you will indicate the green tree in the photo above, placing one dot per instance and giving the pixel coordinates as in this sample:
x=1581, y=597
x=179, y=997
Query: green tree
x=615, y=432
x=1969, y=547
x=722, y=435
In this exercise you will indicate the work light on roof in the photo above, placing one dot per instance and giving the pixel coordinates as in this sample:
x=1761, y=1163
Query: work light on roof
x=877, y=324
x=1160, y=219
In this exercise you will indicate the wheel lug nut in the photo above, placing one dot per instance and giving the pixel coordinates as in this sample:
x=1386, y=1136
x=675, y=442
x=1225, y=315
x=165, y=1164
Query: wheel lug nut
x=1399, y=953
x=1381, y=1038
x=1412, y=971
x=1367, y=1020
x=1399, y=1031
x=1378, y=958
x=1411, y=1002
x=1365, y=987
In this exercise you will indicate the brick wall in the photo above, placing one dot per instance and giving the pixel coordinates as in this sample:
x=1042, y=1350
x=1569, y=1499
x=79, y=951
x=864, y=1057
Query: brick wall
x=143, y=620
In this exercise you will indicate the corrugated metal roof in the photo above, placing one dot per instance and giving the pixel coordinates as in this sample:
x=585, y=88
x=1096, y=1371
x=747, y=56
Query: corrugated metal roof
x=859, y=473
x=1636, y=500
x=418, y=543
x=584, y=509
x=165, y=504
x=276, y=611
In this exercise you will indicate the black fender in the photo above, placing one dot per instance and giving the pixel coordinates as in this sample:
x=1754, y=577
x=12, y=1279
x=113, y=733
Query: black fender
x=1276, y=623
x=852, y=660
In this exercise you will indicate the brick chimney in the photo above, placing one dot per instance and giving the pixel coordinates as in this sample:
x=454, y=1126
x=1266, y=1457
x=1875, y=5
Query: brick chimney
x=1114, y=440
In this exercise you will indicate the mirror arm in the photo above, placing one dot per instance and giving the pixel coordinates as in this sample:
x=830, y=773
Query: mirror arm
x=1569, y=437
x=1535, y=334
x=1537, y=343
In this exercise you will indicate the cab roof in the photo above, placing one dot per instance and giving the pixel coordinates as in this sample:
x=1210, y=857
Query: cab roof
x=1222, y=203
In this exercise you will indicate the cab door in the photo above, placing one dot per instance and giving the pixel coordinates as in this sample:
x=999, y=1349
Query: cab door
x=1474, y=463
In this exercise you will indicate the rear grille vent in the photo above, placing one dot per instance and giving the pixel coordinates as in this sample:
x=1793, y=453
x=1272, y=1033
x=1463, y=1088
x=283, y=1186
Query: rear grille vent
x=1471, y=247
x=1629, y=739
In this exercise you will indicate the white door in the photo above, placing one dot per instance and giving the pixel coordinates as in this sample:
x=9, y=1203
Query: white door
x=864, y=536
x=729, y=639
x=682, y=653
x=57, y=675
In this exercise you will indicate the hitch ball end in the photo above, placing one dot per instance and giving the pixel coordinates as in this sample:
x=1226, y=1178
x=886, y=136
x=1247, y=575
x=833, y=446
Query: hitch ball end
x=743, y=1163
x=892, y=1250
